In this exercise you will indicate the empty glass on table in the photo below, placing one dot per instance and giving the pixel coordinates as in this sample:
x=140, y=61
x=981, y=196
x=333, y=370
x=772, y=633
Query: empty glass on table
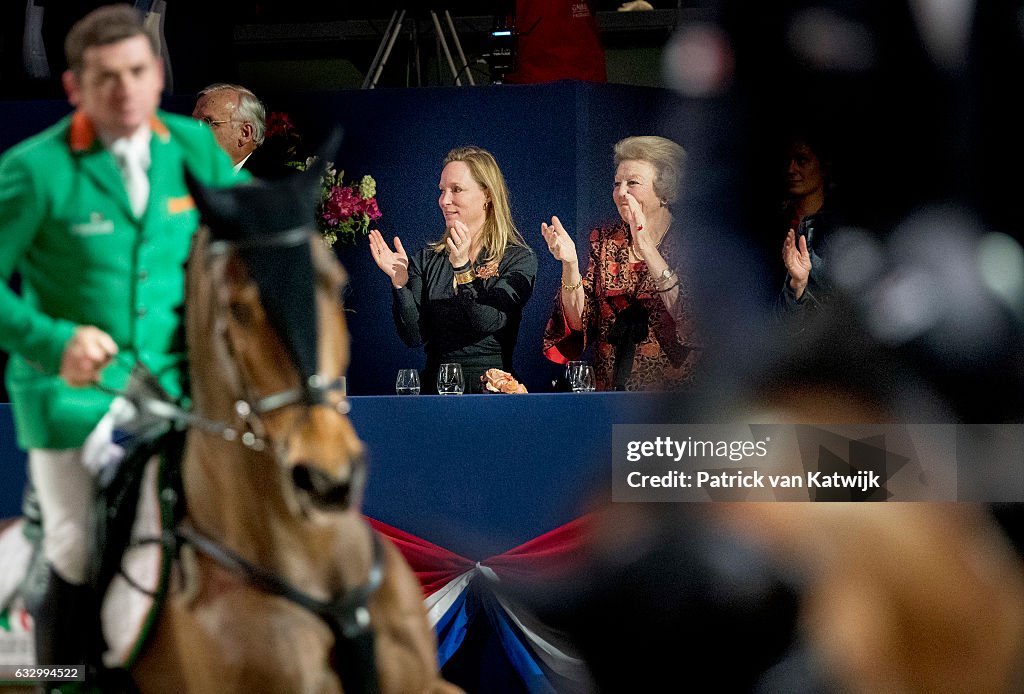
x=408, y=382
x=580, y=376
x=449, y=380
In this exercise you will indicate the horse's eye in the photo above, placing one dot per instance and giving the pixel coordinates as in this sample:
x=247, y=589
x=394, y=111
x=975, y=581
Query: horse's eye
x=241, y=312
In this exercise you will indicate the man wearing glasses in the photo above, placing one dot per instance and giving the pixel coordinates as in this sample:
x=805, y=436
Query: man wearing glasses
x=238, y=120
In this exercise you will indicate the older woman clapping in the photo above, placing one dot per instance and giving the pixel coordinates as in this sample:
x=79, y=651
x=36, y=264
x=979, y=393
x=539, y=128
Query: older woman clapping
x=632, y=301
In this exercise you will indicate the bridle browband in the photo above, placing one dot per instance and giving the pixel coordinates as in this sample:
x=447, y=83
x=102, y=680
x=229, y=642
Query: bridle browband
x=278, y=239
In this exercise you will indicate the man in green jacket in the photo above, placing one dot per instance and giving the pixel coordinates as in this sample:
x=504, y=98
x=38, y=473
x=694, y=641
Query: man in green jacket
x=96, y=218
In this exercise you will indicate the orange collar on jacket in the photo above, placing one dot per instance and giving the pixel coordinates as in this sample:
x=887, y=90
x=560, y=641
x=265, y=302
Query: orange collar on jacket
x=83, y=133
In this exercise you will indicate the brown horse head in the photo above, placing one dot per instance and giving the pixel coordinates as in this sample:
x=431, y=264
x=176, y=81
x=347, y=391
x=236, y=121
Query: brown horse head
x=268, y=342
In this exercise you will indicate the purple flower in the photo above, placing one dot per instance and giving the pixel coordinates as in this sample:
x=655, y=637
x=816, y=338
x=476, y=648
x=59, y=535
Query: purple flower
x=345, y=211
x=340, y=205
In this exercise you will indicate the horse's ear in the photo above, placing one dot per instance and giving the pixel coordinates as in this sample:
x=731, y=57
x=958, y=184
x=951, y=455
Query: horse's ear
x=218, y=209
x=328, y=149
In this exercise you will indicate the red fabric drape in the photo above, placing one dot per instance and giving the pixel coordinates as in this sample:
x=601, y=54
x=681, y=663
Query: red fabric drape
x=549, y=554
x=434, y=566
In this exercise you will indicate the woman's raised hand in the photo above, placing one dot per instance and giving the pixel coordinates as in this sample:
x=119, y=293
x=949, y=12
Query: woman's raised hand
x=459, y=240
x=561, y=245
x=394, y=264
x=797, y=259
x=634, y=215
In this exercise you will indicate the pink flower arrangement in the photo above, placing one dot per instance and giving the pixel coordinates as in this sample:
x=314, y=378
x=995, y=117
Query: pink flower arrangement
x=346, y=210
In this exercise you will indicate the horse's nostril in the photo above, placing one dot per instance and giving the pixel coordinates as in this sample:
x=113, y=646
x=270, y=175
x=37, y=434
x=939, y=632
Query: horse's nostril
x=324, y=489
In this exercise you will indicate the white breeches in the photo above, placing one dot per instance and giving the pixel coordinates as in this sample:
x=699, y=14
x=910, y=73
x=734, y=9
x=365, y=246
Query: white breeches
x=65, y=491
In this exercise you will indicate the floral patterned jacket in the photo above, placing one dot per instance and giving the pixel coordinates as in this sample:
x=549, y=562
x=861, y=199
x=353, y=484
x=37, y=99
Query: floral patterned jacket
x=667, y=357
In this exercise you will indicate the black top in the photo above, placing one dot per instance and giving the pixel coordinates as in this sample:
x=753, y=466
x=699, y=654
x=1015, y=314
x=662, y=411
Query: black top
x=475, y=325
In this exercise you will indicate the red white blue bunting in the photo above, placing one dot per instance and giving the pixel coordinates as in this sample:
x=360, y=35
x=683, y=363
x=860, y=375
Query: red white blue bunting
x=457, y=591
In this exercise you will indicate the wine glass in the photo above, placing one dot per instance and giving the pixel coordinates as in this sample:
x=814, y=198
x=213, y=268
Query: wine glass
x=580, y=376
x=408, y=382
x=449, y=380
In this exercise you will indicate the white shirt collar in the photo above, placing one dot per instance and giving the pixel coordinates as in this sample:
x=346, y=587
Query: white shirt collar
x=135, y=145
x=239, y=165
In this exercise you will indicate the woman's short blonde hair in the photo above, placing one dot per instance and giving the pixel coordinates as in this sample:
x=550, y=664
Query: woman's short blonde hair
x=499, y=231
x=663, y=154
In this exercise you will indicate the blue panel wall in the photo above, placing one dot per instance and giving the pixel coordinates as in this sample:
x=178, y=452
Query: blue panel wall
x=12, y=467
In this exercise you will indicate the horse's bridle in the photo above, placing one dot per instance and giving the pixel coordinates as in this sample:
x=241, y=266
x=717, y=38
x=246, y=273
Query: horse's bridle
x=346, y=615
x=249, y=408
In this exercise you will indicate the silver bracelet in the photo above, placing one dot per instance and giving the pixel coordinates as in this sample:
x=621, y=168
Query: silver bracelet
x=666, y=276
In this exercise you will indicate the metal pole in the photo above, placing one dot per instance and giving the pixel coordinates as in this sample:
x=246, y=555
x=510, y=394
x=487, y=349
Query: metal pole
x=444, y=45
x=384, y=49
x=458, y=48
x=416, y=53
x=380, y=50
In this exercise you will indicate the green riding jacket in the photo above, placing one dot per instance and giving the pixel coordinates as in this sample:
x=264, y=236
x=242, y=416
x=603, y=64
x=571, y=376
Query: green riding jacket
x=66, y=226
